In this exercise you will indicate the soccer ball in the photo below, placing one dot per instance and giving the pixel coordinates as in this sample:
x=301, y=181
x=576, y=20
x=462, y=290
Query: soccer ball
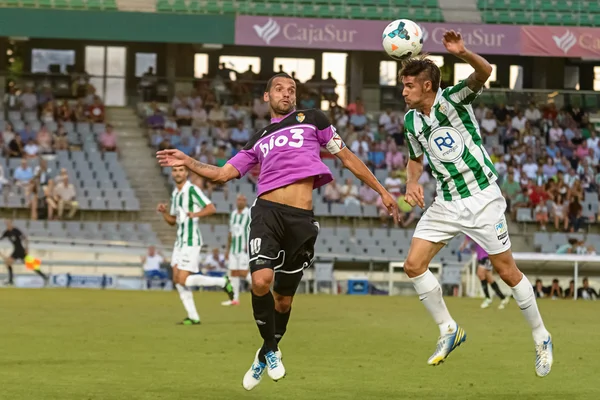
x=402, y=39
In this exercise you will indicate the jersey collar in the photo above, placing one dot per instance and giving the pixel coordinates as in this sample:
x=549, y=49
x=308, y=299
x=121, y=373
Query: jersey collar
x=186, y=185
x=438, y=96
x=275, y=120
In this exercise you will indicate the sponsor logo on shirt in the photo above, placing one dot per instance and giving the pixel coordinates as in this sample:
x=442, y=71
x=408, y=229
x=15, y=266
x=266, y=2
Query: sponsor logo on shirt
x=446, y=144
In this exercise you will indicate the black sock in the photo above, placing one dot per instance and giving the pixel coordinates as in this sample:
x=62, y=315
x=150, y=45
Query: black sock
x=281, y=321
x=484, y=286
x=40, y=273
x=10, y=273
x=497, y=290
x=264, y=315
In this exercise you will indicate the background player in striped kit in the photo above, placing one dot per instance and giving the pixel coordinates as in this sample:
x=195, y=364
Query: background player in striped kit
x=485, y=274
x=441, y=126
x=188, y=205
x=237, y=245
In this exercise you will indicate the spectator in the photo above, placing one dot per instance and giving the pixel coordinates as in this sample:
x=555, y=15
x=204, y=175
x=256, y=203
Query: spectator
x=240, y=135
x=235, y=115
x=3, y=180
x=23, y=174
x=570, y=292
x=215, y=261
x=549, y=169
x=349, y=193
x=359, y=121
x=15, y=147
x=260, y=111
x=27, y=133
x=489, y=124
x=575, y=215
x=533, y=114
x=8, y=134
x=108, y=139
x=394, y=159
x=31, y=149
x=568, y=248
x=530, y=168
x=307, y=101
x=586, y=292
x=199, y=117
x=384, y=214
x=81, y=111
x=64, y=112
x=360, y=142
x=156, y=121
x=96, y=110
x=171, y=126
x=393, y=184
x=367, y=195
x=555, y=133
x=539, y=289
x=541, y=215
x=11, y=99
x=148, y=83
x=61, y=141
x=390, y=123
x=216, y=115
x=44, y=141
x=332, y=193
x=362, y=155
x=65, y=195
x=47, y=114
x=559, y=212
x=50, y=198
x=185, y=147
x=221, y=133
x=183, y=114
x=556, y=291
x=376, y=156
x=221, y=157
x=31, y=199
x=575, y=192
x=28, y=100
x=356, y=108
x=502, y=117
x=521, y=201
x=151, y=267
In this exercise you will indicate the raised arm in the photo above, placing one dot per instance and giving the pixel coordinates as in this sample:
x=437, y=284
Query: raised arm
x=176, y=158
x=455, y=45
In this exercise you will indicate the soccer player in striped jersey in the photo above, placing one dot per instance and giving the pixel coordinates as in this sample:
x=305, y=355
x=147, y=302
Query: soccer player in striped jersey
x=188, y=205
x=237, y=243
x=441, y=126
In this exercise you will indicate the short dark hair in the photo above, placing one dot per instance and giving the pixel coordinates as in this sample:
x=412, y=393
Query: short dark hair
x=417, y=65
x=278, y=75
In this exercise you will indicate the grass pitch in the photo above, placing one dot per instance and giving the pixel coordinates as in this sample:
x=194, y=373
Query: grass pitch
x=105, y=345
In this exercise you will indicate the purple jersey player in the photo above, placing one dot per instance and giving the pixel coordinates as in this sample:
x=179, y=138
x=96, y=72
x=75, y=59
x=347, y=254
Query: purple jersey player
x=283, y=230
x=485, y=274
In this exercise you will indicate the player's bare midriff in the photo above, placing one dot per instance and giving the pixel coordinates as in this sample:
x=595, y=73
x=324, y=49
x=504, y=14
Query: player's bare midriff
x=297, y=194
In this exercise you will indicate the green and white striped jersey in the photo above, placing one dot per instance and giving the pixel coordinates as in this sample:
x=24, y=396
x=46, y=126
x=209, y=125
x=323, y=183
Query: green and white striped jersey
x=189, y=199
x=450, y=139
x=239, y=225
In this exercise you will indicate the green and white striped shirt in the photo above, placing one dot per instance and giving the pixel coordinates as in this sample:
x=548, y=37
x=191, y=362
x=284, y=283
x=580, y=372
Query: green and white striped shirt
x=189, y=199
x=239, y=225
x=450, y=139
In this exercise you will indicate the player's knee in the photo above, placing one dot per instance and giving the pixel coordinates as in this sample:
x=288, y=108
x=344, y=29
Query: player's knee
x=507, y=270
x=261, y=281
x=283, y=304
x=414, y=268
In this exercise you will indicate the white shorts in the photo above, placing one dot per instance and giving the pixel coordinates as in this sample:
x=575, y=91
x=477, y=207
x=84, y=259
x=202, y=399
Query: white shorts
x=481, y=217
x=238, y=262
x=186, y=258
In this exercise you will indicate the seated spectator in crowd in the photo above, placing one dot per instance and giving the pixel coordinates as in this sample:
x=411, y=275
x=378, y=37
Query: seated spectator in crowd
x=156, y=121
x=359, y=121
x=576, y=191
x=151, y=266
x=16, y=147
x=239, y=135
x=360, y=142
x=555, y=133
x=171, y=126
x=203, y=154
x=541, y=215
x=349, y=193
x=539, y=289
x=530, y=168
x=65, y=195
x=215, y=261
x=44, y=141
x=199, y=117
x=521, y=201
x=367, y=195
x=3, y=180
x=221, y=133
x=65, y=113
x=393, y=184
x=81, y=111
x=31, y=149
x=51, y=201
x=185, y=147
x=216, y=116
x=586, y=292
x=575, y=215
x=96, y=111
x=556, y=291
x=23, y=174
x=518, y=121
x=332, y=193
x=394, y=159
x=183, y=114
x=390, y=122
x=376, y=156
x=489, y=124
x=8, y=134
x=570, y=291
x=260, y=111
x=11, y=99
x=108, y=139
x=221, y=156
x=61, y=141
x=27, y=133
x=356, y=108
x=307, y=101
x=47, y=114
x=235, y=114
x=28, y=100
x=533, y=114
x=559, y=212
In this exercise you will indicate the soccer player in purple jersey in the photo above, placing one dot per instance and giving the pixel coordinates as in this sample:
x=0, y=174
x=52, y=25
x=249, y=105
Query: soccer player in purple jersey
x=283, y=230
x=485, y=274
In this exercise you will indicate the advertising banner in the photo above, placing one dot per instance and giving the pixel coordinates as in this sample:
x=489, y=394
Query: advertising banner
x=560, y=41
x=340, y=34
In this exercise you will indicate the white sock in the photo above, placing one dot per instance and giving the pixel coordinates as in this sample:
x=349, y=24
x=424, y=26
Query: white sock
x=430, y=293
x=204, y=281
x=525, y=298
x=236, y=282
x=187, y=298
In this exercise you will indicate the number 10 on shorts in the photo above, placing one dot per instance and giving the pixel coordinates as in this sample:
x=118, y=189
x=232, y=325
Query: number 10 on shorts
x=255, y=246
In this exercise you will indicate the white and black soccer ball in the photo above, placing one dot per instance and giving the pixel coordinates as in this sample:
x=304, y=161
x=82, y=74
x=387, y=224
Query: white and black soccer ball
x=402, y=39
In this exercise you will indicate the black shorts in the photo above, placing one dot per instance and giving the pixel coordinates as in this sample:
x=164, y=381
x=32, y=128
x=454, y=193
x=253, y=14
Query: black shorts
x=485, y=263
x=282, y=238
x=18, y=254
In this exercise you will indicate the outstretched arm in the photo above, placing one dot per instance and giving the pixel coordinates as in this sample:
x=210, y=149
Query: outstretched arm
x=176, y=158
x=455, y=45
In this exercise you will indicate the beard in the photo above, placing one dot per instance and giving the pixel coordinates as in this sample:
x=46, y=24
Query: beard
x=282, y=109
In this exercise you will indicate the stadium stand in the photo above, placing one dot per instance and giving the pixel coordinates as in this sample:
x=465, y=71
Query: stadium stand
x=96, y=5
x=539, y=12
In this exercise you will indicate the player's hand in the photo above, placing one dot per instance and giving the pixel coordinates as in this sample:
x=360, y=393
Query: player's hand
x=414, y=195
x=192, y=215
x=454, y=43
x=391, y=204
x=171, y=158
x=226, y=256
x=161, y=208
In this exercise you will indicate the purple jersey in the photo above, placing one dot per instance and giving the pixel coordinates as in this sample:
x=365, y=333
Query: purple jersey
x=289, y=150
x=481, y=253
